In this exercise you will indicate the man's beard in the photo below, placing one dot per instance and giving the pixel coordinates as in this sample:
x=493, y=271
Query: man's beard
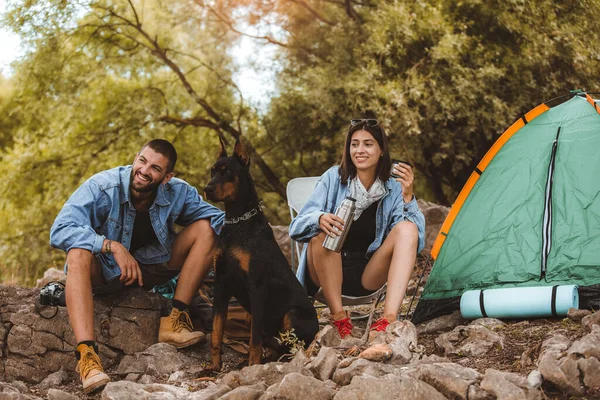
x=148, y=188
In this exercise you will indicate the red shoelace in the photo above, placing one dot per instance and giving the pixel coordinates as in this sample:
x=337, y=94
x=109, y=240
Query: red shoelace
x=344, y=326
x=380, y=324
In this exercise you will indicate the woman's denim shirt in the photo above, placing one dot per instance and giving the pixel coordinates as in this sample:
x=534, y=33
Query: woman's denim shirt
x=327, y=196
x=101, y=209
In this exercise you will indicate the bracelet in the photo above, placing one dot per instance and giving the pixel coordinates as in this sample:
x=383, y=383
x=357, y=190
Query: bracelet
x=107, y=248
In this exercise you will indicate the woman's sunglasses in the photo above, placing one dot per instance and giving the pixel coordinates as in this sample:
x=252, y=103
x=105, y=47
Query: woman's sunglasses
x=368, y=122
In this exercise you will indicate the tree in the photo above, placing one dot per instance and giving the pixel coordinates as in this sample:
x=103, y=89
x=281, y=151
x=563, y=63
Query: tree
x=446, y=78
x=99, y=80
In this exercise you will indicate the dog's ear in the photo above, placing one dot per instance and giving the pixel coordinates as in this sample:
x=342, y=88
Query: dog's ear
x=241, y=153
x=222, y=151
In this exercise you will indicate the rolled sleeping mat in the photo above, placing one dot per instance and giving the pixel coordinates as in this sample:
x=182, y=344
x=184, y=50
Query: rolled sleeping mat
x=521, y=302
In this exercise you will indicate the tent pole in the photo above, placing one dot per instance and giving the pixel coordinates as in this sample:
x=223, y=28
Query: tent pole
x=418, y=284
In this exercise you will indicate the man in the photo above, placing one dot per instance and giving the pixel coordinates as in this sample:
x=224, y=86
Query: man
x=117, y=230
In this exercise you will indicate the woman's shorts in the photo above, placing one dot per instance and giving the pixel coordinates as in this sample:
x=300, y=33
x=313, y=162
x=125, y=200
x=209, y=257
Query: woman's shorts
x=353, y=266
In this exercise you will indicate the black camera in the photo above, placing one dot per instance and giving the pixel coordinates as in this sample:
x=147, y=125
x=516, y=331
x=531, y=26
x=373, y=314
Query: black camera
x=53, y=294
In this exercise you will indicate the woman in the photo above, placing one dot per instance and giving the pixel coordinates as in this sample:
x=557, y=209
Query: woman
x=387, y=231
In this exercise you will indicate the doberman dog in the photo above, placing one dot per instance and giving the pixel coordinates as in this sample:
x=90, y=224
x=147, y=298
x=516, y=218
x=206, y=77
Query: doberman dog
x=250, y=265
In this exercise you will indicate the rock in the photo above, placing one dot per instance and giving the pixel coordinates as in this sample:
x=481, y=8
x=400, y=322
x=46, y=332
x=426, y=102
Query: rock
x=158, y=359
x=300, y=359
x=443, y=323
x=52, y=274
x=507, y=385
x=400, y=352
x=55, y=379
x=132, y=377
x=20, y=386
x=575, y=314
x=534, y=379
x=593, y=319
x=146, y=379
x=176, y=376
x=124, y=390
x=588, y=346
x=377, y=352
x=270, y=374
x=324, y=364
x=16, y=391
x=477, y=393
x=252, y=392
x=490, y=323
x=561, y=371
x=328, y=336
x=350, y=341
x=55, y=394
x=450, y=379
x=34, y=347
x=435, y=215
x=392, y=388
x=405, y=331
x=283, y=240
x=469, y=340
x=343, y=375
x=211, y=393
x=434, y=358
x=590, y=369
x=296, y=386
x=17, y=396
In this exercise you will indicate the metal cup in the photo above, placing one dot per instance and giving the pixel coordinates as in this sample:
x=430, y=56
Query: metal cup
x=396, y=162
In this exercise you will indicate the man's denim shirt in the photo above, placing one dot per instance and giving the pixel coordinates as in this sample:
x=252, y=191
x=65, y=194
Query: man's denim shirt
x=327, y=196
x=101, y=209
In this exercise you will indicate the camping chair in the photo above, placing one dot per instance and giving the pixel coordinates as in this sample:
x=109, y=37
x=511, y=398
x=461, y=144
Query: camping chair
x=298, y=193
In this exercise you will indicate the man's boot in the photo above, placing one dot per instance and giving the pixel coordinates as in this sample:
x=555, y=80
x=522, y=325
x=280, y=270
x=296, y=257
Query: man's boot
x=90, y=369
x=177, y=330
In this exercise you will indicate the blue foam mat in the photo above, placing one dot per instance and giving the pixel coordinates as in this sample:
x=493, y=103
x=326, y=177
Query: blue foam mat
x=522, y=302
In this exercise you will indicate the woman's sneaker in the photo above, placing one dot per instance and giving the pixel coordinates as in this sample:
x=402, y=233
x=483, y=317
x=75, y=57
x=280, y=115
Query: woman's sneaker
x=380, y=325
x=344, y=326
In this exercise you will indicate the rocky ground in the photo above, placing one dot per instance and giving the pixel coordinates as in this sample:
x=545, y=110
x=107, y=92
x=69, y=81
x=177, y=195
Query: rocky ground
x=444, y=358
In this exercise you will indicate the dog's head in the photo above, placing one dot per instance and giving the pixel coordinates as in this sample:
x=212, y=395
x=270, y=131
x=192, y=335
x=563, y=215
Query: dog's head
x=229, y=175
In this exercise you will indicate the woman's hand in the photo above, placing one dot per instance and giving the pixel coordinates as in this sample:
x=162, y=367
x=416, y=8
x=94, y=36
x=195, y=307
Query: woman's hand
x=331, y=224
x=130, y=270
x=406, y=179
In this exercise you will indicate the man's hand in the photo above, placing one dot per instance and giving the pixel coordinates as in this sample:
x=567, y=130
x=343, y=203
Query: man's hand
x=331, y=224
x=130, y=270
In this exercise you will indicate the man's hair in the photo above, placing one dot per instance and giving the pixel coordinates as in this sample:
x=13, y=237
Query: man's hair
x=165, y=148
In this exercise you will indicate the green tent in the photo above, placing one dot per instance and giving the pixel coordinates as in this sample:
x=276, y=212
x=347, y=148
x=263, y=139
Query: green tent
x=529, y=215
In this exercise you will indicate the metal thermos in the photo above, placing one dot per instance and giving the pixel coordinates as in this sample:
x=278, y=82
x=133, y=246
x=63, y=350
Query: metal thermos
x=346, y=212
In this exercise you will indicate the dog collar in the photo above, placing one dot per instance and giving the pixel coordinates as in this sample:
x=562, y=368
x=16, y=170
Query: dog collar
x=246, y=215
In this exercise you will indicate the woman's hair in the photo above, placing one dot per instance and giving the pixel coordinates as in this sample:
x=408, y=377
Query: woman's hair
x=347, y=168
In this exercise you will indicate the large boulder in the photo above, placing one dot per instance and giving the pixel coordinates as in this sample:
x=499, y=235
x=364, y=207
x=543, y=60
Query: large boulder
x=435, y=215
x=36, y=341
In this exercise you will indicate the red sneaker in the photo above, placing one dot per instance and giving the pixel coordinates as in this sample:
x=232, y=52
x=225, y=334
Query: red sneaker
x=380, y=324
x=344, y=327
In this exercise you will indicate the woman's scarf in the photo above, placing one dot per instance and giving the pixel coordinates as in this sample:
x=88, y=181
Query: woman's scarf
x=364, y=198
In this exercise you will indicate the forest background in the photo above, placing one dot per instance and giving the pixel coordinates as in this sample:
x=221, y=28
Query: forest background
x=98, y=78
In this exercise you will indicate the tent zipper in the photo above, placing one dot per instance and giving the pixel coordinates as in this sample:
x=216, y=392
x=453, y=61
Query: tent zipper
x=547, y=224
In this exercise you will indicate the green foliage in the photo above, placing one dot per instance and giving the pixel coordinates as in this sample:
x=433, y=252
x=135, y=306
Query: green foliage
x=446, y=78
x=90, y=92
x=291, y=341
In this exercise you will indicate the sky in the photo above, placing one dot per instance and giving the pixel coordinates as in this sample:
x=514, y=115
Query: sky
x=255, y=77
x=10, y=47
